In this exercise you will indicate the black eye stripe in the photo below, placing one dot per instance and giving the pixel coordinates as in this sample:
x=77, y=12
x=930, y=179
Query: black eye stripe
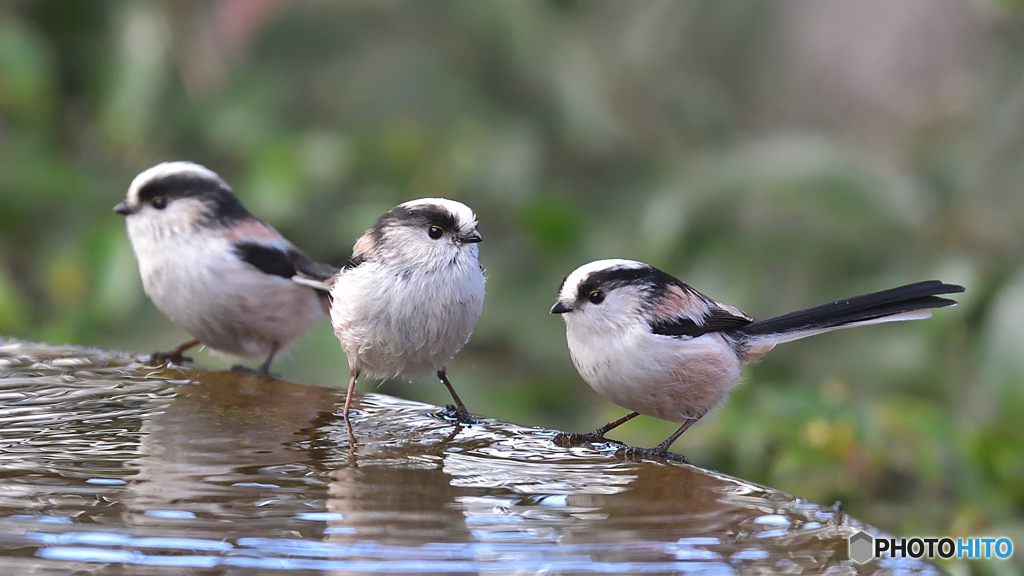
x=180, y=186
x=608, y=280
x=224, y=206
x=423, y=217
x=433, y=216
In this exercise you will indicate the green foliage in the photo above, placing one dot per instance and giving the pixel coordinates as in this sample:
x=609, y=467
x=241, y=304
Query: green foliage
x=749, y=149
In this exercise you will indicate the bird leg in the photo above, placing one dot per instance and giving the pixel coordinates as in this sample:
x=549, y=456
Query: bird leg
x=662, y=449
x=174, y=355
x=348, y=404
x=597, y=435
x=458, y=411
x=264, y=368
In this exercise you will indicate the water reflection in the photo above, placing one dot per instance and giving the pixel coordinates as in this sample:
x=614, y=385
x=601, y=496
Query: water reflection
x=104, y=461
x=226, y=451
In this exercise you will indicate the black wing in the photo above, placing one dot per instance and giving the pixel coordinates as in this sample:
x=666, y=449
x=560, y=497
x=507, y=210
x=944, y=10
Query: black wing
x=716, y=320
x=682, y=310
x=267, y=259
x=284, y=263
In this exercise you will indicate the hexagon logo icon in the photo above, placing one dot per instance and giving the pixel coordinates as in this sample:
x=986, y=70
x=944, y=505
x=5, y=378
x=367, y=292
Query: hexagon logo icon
x=861, y=547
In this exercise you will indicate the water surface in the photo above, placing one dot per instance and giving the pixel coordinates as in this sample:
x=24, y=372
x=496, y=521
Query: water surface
x=110, y=466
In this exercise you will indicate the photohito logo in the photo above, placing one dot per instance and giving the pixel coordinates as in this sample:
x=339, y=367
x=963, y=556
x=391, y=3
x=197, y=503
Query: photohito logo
x=864, y=547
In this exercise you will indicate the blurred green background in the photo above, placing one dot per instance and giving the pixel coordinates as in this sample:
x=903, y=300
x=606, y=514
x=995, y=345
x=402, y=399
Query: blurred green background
x=774, y=155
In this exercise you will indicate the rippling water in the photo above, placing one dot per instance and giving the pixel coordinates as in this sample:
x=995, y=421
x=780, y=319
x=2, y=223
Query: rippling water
x=109, y=466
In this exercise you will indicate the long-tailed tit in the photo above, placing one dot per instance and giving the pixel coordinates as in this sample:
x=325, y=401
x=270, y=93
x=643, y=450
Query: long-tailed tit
x=652, y=344
x=214, y=269
x=411, y=294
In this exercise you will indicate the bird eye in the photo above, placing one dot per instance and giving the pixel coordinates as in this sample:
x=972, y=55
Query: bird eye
x=159, y=202
x=595, y=296
x=435, y=232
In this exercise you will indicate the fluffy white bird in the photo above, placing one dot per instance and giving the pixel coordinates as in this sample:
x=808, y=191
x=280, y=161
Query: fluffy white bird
x=214, y=269
x=652, y=344
x=411, y=294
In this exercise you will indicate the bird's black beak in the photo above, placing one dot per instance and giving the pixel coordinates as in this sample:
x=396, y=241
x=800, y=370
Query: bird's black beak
x=560, y=308
x=471, y=238
x=123, y=208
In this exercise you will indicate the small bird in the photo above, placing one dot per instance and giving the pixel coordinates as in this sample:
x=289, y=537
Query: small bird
x=650, y=343
x=214, y=269
x=410, y=296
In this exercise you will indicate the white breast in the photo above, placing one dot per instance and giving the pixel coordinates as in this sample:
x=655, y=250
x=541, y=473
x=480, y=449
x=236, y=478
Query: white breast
x=662, y=376
x=409, y=321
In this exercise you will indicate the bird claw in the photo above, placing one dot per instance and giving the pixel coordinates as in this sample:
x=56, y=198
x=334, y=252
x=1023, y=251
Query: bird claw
x=241, y=369
x=567, y=439
x=458, y=414
x=166, y=358
x=638, y=452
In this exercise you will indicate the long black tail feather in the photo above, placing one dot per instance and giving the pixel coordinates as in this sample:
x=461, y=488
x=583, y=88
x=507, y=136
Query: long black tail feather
x=310, y=268
x=316, y=275
x=917, y=296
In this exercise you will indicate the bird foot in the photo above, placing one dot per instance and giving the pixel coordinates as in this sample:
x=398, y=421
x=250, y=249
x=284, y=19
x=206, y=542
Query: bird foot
x=458, y=414
x=566, y=439
x=240, y=369
x=638, y=452
x=171, y=357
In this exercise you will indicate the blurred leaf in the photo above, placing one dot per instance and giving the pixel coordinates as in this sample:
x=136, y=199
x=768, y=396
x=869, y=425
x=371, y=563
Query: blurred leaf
x=14, y=309
x=551, y=225
x=27, y=75
x=118, y=290
x=141, y=78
